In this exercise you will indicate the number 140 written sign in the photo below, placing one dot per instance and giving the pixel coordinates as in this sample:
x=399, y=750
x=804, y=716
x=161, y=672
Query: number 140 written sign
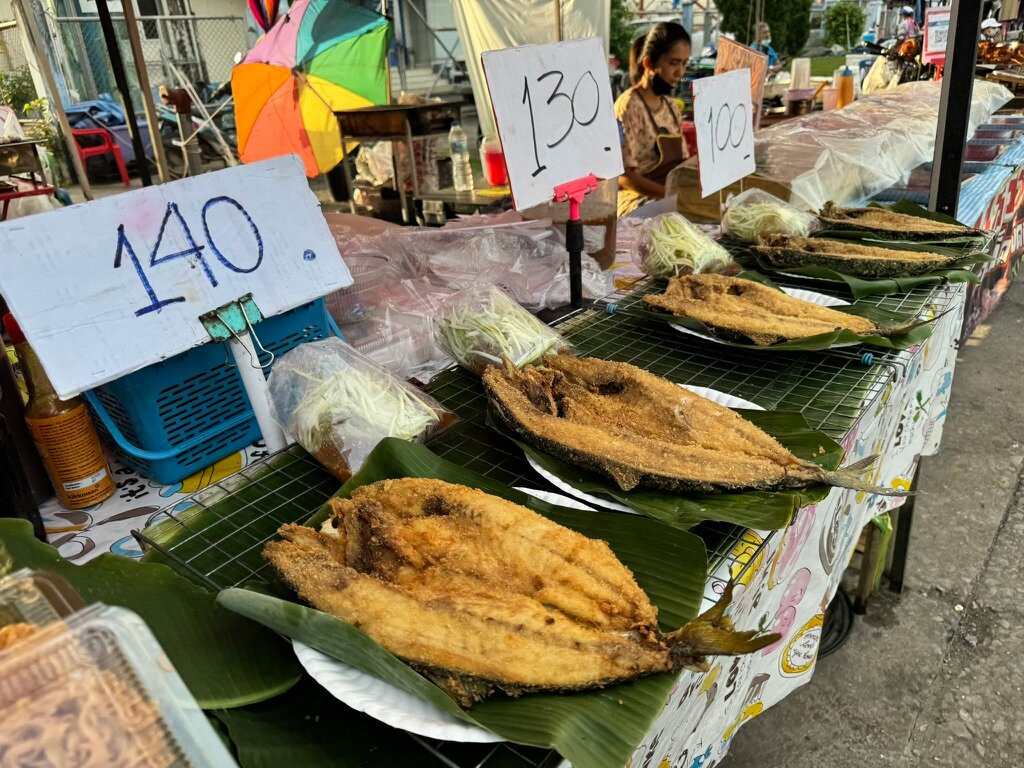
x=108, y=287
x=553, y=107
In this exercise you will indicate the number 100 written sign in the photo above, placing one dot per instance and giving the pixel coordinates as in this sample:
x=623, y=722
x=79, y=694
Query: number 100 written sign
x=553, y=107
x=725, y=129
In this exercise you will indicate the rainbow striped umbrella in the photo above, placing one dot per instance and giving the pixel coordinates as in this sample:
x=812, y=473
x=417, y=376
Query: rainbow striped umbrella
x=321, y=56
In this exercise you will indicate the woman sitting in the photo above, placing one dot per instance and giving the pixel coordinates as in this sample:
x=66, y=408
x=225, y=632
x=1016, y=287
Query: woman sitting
x=649, y=120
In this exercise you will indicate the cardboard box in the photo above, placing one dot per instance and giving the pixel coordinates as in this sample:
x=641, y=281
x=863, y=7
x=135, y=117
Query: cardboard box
x=709, y=209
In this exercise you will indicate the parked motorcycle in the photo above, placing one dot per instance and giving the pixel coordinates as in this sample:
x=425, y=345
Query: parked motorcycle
x=898, y=62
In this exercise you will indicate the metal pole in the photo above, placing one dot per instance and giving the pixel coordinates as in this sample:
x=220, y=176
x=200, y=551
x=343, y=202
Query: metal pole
x=558, y=20
x=147, y=94
x=955, y=106
x=117, y=64
x=36, y=40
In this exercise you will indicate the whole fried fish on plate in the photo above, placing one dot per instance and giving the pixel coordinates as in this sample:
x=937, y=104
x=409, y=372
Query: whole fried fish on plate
x=866, y=261
x=891, y=224
x=746, y=309
x=640, y=430
x=482, y=594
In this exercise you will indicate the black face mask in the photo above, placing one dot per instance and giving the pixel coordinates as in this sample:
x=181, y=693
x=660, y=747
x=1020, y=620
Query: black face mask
x=660, y=86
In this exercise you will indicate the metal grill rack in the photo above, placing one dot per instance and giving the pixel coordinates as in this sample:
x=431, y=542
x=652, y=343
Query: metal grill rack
x=218, y=537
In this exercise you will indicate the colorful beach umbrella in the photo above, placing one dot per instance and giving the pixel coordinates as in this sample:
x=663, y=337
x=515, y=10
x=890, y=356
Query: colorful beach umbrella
x=321, y=56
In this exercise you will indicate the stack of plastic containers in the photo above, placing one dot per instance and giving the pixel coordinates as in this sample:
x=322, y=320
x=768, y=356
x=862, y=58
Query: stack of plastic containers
x=91, y=687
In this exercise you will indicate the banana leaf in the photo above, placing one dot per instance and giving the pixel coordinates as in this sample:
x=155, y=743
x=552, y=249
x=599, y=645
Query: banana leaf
x=226, y=661
x=762, y=510
x=911, y=336
x=310, y=728
x=593, y=729
x=860, y=287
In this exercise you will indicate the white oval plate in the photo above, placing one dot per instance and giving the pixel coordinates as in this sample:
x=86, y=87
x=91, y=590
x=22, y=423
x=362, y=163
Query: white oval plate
x=797, y=293
x=384, y=702
x=711, y=394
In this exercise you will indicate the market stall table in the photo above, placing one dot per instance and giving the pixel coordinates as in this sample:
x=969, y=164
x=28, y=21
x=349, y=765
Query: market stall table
x=893, y=404
x=397, y=123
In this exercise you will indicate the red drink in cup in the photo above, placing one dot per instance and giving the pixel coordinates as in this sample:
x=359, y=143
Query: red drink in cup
x=493, y=160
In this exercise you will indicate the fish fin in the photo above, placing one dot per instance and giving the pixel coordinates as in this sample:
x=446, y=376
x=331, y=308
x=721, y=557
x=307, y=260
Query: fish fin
x=712, y=634
x=850, y=477
x=626, y=478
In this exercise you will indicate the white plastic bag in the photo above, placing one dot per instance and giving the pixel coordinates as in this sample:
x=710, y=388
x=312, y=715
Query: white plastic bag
x=338, y=405
x=481, y=326
x=668, y=245
x=754, y=213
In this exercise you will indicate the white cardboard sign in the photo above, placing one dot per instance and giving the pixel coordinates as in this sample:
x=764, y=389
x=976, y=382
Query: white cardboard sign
x=553, y=108
x=104, y=288
x=725, y=132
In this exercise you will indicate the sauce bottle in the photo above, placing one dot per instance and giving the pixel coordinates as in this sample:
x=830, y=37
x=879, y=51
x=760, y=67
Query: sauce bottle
x=845, y=88
x=24, y=483
x=63, y=433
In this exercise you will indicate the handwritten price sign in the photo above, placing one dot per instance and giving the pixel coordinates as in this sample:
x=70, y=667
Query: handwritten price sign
x=725, y=134
x=108, y=287
x=553, y=107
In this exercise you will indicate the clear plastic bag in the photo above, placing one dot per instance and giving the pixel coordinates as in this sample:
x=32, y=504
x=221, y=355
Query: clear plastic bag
x=754, y=213
x=481, y=325
x=668, y=245
x=338, y=404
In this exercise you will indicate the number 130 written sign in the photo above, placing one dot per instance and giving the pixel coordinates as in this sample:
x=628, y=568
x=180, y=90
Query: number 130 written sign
x=725, y=133
x=553, y=107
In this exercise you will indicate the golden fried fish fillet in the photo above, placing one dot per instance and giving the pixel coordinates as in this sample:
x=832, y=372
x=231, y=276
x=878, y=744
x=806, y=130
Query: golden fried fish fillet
x=640, y=430
x=892, y=224
x=867, y=261
x=749, y=310
x=481, y=594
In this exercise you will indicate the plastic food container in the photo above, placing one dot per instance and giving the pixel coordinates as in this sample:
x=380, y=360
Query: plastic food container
x=355, y=303
x=97, y=690
x=36, y=597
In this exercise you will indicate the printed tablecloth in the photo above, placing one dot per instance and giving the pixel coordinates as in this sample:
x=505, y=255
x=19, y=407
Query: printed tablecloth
x=793, y=579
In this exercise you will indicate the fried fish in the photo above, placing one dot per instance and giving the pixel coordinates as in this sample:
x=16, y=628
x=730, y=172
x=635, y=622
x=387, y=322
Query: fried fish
x=640, y=430
x=891, y=224
x=744, y=309
x=481, y=594
x=848, y=258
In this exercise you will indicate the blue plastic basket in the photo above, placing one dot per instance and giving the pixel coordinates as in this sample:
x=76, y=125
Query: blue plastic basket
x=180, y=415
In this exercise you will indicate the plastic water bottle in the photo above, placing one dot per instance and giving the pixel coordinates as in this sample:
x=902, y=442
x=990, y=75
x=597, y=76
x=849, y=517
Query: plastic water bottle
x=462, y=170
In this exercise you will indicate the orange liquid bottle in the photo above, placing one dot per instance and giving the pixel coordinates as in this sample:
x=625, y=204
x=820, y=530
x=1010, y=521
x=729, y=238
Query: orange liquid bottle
x=63, y=433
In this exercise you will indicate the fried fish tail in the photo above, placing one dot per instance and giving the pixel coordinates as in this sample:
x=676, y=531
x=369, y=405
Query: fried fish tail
x=712, y=634
x=851, y=476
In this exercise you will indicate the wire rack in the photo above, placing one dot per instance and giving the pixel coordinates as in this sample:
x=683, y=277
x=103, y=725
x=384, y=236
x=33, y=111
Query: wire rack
x=216, y=536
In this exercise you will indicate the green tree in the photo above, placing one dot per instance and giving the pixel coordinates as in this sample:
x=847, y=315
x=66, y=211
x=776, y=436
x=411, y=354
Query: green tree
x=620, y=34
x=844, y=24
x=790, y=21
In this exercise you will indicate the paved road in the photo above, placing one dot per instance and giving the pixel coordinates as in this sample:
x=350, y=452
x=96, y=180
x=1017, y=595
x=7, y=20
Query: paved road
x=935, y=678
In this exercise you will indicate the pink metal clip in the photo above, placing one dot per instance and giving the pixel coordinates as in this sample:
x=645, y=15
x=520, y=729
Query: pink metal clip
x=574, y=192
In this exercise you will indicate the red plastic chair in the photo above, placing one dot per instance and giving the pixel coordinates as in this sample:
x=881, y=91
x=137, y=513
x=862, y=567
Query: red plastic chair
x=107, y=146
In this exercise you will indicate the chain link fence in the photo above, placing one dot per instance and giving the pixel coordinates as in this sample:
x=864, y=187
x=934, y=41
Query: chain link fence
x=12, y=53
x=202, y=48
